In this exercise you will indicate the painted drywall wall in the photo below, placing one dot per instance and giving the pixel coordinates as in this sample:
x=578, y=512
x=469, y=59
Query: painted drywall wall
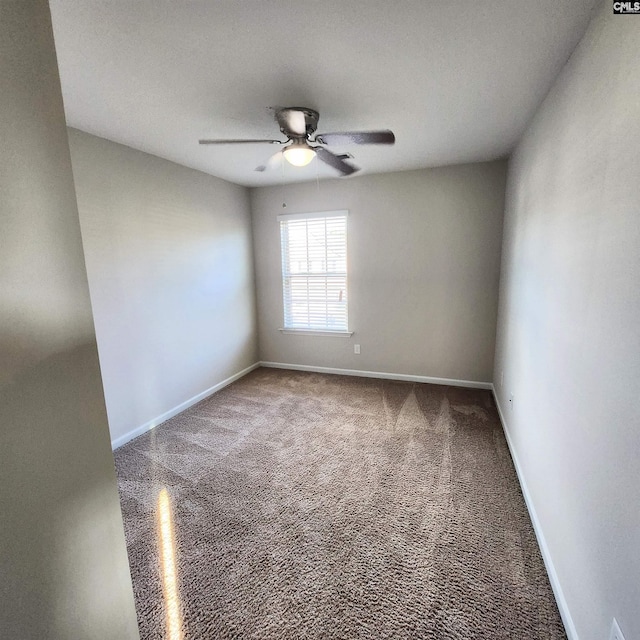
x=423, y=261
x=63, y=560
x=169, y=260
x=569, y=331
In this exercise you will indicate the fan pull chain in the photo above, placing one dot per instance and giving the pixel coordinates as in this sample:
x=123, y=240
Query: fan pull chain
x=284, y=204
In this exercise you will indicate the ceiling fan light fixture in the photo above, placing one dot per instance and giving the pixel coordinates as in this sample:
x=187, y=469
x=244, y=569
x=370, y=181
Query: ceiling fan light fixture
x=299, y=154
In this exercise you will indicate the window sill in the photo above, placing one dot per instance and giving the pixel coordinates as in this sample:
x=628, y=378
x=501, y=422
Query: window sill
x=317, y=332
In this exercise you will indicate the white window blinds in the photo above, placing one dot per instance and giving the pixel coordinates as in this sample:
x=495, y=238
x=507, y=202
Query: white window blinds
x=314, y=270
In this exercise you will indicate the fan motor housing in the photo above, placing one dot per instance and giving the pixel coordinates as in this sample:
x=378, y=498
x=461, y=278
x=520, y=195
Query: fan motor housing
x=311, y=117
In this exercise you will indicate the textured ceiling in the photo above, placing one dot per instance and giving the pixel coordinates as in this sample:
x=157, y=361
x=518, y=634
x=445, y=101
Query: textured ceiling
x=456, y=80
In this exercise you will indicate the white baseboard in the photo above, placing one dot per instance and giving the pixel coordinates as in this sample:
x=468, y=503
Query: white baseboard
x=563, y=608
x=379, y=374
x=134, y=433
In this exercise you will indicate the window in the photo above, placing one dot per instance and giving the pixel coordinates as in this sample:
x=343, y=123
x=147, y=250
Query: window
x=314, y=271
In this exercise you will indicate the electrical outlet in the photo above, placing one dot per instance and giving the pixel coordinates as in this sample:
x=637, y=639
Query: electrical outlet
x=511, y=401
x=616, y=634
x=356, y=349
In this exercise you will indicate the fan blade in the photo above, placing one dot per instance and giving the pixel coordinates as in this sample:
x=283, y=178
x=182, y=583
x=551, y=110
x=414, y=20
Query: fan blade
x=293, y=121
x=272, y=163
x=334, y=161
x=239, y=141
x=357, y=137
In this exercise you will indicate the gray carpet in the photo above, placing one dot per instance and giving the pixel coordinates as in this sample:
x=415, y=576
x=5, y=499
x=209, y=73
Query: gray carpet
x=317, y=506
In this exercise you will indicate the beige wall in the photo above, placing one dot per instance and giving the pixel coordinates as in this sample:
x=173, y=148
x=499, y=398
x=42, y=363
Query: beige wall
x=423, y=260
x=63, y=562
x=569, y=324
x=168, y=252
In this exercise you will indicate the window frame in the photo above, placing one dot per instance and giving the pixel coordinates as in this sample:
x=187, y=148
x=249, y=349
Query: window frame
x=291, y=217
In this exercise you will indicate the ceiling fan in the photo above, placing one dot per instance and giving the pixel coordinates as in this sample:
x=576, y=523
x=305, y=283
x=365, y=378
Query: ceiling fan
x=299, y=124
